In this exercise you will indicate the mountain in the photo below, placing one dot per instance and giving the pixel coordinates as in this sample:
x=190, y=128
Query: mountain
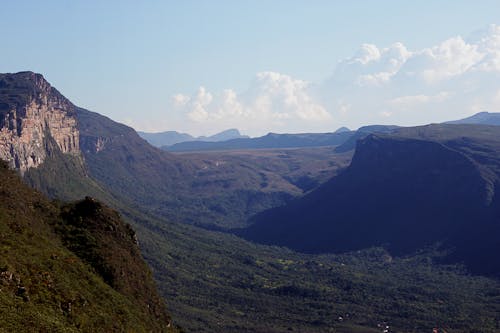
x=342, y=129
x=71, y=267
x=269, y=141
x=406, y=190
x=169, y=138
x=40, y=138
x=229, y=134
x=481, y=118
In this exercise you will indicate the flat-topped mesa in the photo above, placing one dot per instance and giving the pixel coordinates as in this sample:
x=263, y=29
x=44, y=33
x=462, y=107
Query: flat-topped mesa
x=32, y=114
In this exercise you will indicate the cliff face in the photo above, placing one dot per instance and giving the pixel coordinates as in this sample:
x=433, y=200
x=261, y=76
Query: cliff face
x=31, y=113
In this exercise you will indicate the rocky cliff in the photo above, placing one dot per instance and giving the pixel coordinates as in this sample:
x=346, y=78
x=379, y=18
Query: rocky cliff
x=31, y=114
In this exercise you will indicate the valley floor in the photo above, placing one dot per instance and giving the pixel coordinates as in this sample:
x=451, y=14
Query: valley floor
x=218, y=282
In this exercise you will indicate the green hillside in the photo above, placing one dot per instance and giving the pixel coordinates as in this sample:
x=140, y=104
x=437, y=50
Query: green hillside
x=71, y=267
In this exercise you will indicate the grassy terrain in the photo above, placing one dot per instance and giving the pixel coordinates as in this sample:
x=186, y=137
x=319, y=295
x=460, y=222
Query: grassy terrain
x=48, y=285
x=304, y=168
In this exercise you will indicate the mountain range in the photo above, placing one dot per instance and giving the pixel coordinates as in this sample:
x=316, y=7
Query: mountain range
x=269, y=141
x=169, y=138
x=343, y=138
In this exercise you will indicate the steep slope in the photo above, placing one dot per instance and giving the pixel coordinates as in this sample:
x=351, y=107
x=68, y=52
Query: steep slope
x=404, y=191
x=271, y=140
x=72, y=268
x=40, y=138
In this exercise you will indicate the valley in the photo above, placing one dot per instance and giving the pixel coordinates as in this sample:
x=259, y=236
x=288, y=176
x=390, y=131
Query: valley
x=341, y=240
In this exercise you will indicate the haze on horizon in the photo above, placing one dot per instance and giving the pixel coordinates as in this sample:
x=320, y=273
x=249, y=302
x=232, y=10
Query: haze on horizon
x=281, y=66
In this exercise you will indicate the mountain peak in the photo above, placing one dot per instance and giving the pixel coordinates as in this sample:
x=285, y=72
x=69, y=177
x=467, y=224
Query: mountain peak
x=228, y=134
x=342, y=130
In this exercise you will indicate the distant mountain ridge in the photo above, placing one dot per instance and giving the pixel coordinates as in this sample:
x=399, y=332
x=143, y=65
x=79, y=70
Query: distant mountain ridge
x=169, y=138
x=165, y=138
x=269, y=141
x=481, y=118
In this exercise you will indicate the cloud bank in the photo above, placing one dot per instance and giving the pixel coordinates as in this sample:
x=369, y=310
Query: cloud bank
x=393, y=84
x=273, y=100
x=450, y=80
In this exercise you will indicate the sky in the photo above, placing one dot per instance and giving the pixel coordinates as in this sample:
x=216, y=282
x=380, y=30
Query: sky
x=261, y=66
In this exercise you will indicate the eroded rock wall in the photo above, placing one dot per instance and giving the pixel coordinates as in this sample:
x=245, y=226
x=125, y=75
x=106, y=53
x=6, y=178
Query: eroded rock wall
x=31, y=111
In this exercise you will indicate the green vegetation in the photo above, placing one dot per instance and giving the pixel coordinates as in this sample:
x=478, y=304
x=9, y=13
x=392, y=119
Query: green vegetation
x=224, y=284
x=218, y=282
x=48, y=285
x=62, y=176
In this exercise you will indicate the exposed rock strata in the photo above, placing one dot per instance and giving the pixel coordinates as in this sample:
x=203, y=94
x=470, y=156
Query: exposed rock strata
x=31, y=112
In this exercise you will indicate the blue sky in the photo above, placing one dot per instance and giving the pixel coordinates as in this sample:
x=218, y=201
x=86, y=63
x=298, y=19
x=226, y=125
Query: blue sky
x=202, y=66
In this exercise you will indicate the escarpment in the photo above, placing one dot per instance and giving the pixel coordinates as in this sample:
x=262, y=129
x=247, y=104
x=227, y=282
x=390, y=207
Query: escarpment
x=32, y=113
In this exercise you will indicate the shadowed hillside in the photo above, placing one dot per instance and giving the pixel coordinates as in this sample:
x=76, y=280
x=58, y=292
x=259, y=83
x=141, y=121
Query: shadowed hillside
x=403, y=191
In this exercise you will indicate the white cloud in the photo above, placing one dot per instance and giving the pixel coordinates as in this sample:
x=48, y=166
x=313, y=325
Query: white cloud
x=451, y=58
x=272, y=100
x=405, y=101
x=373, y=66
x=197, y=104
x=180, y=100
x=344, y=108
x=444, y=81
x=366, y=54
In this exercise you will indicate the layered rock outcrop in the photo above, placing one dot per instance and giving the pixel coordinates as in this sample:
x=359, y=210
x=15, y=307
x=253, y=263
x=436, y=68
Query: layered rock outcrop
x=31, y=114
